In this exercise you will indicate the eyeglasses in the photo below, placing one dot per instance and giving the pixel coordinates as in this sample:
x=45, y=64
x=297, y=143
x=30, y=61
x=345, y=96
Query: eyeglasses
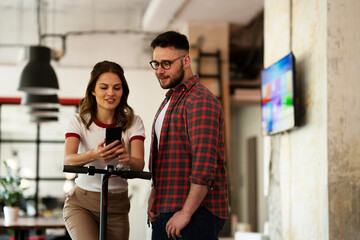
x=164, y=64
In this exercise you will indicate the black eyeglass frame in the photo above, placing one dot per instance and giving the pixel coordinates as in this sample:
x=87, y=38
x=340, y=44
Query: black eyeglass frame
x=169, y=62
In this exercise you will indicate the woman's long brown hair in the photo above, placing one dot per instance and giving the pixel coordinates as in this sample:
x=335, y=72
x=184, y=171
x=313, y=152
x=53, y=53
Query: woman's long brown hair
x=124, y=114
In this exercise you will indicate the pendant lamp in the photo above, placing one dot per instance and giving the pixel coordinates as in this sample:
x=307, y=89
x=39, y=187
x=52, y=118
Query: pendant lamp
x=43, y=112
x=38, y=77
x=40, y=101
x=43, y=119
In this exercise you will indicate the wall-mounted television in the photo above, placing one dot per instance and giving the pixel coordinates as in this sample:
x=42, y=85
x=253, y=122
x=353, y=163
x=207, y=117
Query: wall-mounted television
x=278, y=96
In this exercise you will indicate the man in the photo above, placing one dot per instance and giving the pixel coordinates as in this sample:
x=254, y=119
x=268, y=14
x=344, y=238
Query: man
x=188, y=199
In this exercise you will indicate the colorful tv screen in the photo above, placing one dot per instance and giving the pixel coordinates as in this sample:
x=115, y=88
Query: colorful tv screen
x=278, y=96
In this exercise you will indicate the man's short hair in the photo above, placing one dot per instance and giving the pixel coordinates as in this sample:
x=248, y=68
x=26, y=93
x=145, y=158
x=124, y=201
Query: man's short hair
x=171, y=39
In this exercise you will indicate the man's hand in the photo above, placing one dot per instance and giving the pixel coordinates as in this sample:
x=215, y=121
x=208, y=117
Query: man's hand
x=182, y=218
x=151, y=215
x=176, y=223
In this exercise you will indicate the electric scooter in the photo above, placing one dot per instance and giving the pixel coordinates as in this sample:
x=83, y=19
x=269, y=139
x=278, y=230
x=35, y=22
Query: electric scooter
x=106, y=173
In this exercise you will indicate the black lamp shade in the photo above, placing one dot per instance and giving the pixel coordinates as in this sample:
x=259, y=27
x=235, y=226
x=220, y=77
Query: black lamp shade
x=38, y=77
x=38, y=119
x=40, y=101
x=43, y=112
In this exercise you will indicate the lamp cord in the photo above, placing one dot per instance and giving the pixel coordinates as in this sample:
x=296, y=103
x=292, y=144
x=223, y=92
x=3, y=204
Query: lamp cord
x=39, y=15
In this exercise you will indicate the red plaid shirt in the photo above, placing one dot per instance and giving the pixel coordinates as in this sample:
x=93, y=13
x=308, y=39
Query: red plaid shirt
x=191, y=150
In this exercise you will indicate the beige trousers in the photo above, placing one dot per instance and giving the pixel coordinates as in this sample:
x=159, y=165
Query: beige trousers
x=82, y=215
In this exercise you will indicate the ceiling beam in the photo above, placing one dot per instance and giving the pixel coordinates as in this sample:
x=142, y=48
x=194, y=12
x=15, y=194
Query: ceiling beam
x=160, y=13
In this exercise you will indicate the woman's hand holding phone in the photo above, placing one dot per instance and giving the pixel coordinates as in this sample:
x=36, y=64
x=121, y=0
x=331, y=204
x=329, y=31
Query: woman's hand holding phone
x=108, y=152
x=124, y=156
x=110, y=147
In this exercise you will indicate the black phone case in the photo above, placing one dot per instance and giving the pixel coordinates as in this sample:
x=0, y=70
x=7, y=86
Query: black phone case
x=112, y=134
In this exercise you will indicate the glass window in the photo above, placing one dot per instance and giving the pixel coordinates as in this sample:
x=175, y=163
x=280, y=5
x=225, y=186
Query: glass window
x=52, y=160
x=24, y=154
x=38, y=149
x=15, y=123
x=56, y=130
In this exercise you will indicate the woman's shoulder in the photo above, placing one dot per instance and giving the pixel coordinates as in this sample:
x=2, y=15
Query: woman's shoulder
x=137, y=120
x=137, y=123
x=137, y=117
x=137, y=127
x=76, y=118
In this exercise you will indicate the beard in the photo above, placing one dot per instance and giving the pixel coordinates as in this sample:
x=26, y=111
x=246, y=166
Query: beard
x=175, y=80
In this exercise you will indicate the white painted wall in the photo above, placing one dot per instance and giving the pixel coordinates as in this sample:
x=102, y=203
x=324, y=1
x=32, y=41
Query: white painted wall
x=245, y=124
x=343, y=118
x=298, y=197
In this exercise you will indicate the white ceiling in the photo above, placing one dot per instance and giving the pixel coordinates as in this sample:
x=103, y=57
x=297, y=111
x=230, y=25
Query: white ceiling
x=19, y=25
x=234, y=11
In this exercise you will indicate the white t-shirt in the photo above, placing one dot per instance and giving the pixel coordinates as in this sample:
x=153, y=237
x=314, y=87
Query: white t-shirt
x=89, y=139
x=159, y=122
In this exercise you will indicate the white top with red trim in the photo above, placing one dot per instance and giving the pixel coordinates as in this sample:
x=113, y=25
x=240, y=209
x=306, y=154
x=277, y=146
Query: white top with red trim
x=89, y=139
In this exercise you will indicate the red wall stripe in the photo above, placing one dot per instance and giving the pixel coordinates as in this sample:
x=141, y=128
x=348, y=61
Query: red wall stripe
x=17, y=100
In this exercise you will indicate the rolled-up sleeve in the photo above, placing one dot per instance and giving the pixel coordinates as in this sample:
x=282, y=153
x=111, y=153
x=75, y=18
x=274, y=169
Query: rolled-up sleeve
x=203, y=127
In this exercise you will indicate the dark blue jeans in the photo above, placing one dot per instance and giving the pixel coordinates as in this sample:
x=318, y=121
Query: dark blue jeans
x=203, y=225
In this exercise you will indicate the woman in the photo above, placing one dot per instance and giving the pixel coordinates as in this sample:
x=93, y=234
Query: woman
x=105, y=105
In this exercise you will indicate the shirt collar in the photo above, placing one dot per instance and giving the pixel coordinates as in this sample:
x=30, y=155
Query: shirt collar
x=187, y=84
x=104, y=125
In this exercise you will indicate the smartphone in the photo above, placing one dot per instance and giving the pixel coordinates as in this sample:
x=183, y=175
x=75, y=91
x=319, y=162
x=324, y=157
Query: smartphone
x=112, y=134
